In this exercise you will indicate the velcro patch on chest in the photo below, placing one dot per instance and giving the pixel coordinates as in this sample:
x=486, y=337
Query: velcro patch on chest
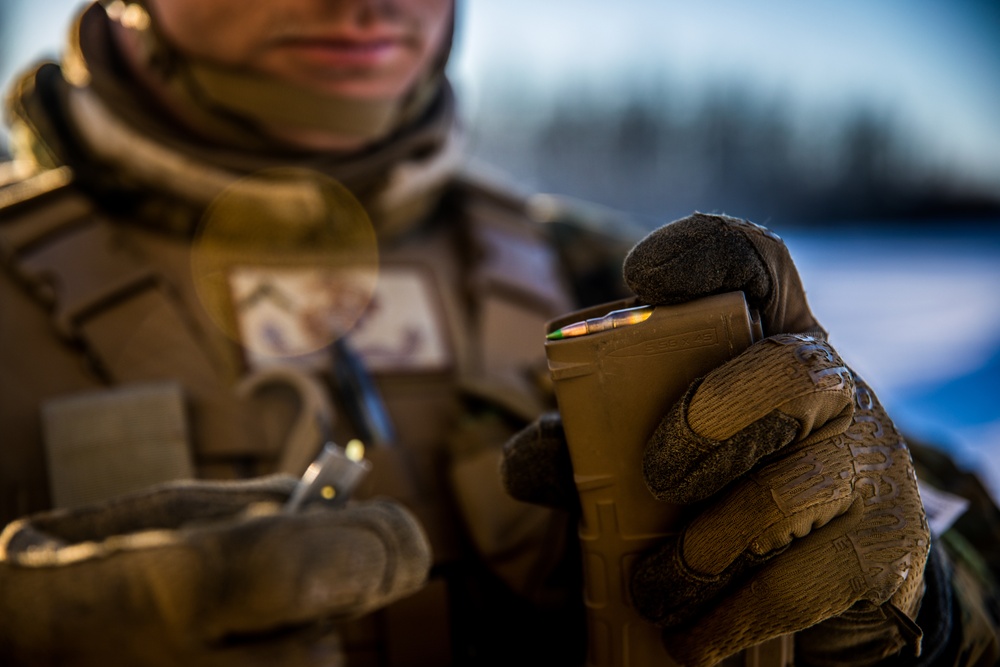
x=291, y=314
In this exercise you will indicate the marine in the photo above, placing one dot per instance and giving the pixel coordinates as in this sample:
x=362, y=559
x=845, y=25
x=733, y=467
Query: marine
x=237, y=232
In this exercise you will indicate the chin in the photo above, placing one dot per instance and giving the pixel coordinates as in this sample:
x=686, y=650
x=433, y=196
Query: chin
x=363, y=89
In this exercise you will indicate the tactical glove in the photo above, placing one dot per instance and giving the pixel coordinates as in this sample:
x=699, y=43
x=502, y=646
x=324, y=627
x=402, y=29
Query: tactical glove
x=807, y=512
x=200, y=574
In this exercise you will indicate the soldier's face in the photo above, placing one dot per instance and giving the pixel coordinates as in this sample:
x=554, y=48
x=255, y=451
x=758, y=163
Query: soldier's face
x=369, y=49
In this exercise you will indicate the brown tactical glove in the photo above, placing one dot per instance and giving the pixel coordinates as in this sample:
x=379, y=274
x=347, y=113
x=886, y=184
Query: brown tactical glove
x=200, y=574
x=808, y=514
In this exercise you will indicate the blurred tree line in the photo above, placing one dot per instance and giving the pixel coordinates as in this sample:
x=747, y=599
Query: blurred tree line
x=730, y=150
x=659, y=153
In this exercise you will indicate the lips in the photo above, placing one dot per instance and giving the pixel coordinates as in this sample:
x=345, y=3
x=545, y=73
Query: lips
x=341, y=52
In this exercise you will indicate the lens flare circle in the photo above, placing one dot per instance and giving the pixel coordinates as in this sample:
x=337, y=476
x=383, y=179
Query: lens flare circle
x=284, y=262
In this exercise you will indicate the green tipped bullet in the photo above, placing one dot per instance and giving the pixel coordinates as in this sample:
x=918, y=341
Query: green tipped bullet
x=613, y=320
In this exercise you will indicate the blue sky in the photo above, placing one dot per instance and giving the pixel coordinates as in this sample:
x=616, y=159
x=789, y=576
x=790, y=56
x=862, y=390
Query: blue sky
x=934, y=66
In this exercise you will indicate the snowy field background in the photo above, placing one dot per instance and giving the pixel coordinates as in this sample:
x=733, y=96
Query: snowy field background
x=917, y=314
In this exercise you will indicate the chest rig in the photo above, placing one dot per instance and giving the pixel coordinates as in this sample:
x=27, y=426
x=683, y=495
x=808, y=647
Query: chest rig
x=131, y=324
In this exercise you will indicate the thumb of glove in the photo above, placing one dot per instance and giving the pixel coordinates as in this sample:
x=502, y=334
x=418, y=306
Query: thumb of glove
x=706, y=254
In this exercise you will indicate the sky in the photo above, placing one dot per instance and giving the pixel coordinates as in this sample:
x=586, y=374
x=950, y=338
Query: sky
x=933, y=65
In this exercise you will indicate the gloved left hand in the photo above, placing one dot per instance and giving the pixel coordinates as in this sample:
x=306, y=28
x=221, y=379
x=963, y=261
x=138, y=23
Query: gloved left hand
x=809, y=511
x=201, y=574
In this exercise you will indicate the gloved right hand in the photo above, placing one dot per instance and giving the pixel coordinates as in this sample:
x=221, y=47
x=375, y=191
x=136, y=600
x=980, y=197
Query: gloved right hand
x=806, y=516
x=200, y=574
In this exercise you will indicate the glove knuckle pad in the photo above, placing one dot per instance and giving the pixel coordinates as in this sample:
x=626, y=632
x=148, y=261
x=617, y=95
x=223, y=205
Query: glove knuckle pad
x=785, y=389
x=799, y=375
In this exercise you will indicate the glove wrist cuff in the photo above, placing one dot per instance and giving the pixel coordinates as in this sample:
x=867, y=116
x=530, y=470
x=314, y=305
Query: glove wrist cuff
x=937, y=618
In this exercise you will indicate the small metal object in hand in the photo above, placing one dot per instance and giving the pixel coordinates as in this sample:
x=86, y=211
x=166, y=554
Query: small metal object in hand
x=332, y=477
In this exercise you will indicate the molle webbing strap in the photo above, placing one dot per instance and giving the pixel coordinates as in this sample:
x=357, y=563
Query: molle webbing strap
x=518, y=289
x=106, y=299
x=102, y=444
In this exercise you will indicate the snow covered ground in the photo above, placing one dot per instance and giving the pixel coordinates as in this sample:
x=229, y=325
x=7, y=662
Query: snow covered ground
x=918, y=315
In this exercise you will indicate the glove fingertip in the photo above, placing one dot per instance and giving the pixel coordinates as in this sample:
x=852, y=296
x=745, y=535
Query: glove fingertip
x=409, y=543
x=695, y=256
x=668, y=593
x=536, y=466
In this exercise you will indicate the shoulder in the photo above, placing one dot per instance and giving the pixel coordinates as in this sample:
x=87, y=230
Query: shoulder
x=22, y=183
x=550, y=213
x=37, y=205
x=590, y=240
x=484, y=193
x=507, y=251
